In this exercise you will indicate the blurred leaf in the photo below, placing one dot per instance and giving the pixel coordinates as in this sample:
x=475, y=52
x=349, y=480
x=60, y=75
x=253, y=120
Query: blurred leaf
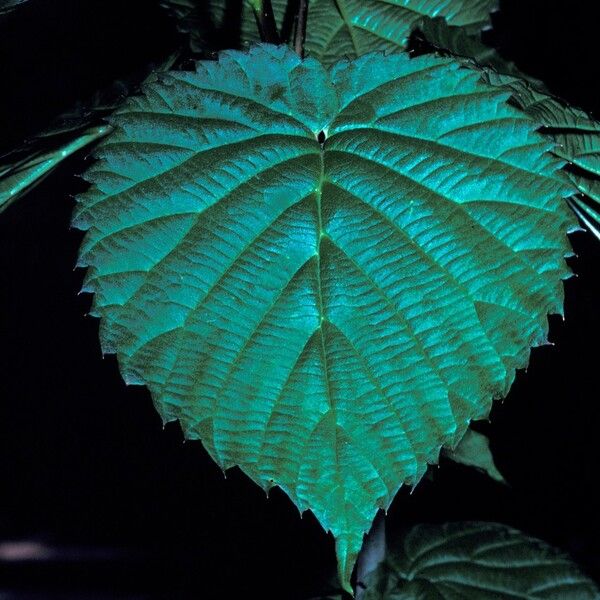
x=458, y=41
x=213, y=25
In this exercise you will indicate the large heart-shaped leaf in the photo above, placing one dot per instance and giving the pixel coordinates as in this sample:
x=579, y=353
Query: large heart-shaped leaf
x=335, y=29
x=324, y=275
x=476, y=561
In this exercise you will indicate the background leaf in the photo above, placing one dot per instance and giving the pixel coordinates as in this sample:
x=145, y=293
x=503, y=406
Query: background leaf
x=478, y=561
x=577, y=138
x=19, y=175
x=325, y=315
x=24, y=167
x=336, y=28
x=354, y=27
x=7, y=6
x=458, y=41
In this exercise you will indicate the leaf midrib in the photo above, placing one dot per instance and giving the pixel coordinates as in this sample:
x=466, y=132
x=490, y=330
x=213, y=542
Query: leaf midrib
x=321, y=304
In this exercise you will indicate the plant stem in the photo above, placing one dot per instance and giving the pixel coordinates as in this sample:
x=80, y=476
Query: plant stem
x=372, y=553
x=300, y=35
x=265, y=19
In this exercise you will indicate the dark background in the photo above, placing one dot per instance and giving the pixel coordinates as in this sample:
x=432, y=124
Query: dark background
x=85, y=465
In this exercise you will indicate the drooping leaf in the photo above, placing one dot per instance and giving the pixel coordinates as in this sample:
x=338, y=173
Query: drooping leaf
x=213, y=25
x=576, y=134
x=324, y=275
x=473, y=450
x=335, y=29
x=577, y=139
x=22, y=168
x=476, y=561
x=17, y=178
x=7, y=6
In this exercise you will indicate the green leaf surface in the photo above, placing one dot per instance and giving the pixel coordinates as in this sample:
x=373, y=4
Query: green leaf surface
x=325, y=315
x=335, y=29
x=477, y=561
x=473, y=450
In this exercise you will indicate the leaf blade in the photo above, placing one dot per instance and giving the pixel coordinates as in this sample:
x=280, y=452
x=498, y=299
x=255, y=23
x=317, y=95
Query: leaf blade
x=576, y=135
x=475, y=561
x=248, y=274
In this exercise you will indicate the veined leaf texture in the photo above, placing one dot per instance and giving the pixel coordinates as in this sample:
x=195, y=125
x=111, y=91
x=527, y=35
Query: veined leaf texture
x=324, y=275
x=477, y=561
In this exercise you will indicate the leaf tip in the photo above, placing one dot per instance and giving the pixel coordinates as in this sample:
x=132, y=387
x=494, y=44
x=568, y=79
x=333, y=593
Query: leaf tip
x=346, y=557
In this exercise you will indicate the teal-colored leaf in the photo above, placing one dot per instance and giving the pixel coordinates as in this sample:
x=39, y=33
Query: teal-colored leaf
x=324, y=275
x=476, y=561
x=473, y=450
x=335, y=29
x=351, y=28
x=576, y=134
